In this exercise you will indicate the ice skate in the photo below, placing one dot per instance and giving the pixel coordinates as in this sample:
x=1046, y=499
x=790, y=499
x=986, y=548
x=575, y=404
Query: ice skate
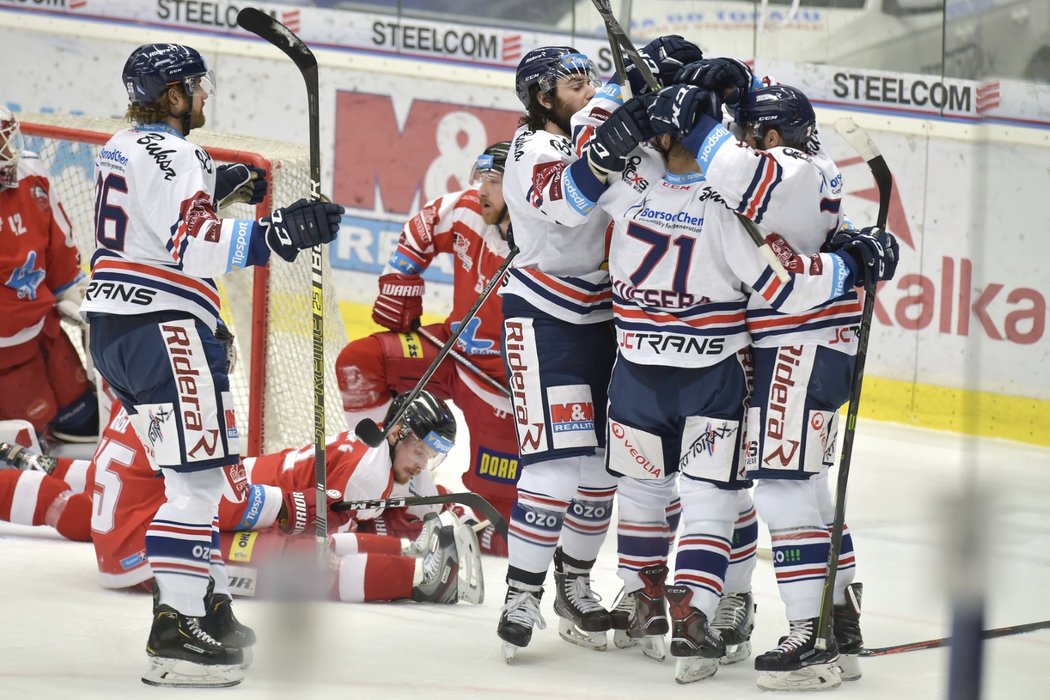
x=18, y=457
x=640, y=618
x=583, y=620
x=734, y=620
x=694, y=644
x=418, y=546
x=220, y=622
x=183, y=655
x=471, y=581
x=438, y=570
x=796, y=664
x=846, y=622
x=521, y=612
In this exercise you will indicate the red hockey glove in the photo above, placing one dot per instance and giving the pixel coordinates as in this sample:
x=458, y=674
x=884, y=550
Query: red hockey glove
x=299, y=512
x=400, y=301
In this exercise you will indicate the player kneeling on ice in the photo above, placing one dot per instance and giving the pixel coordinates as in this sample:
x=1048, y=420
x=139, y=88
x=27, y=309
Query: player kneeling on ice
x=153, y=307
x=263, y=518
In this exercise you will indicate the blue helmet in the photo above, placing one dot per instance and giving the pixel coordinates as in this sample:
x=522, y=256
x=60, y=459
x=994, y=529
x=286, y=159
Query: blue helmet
x=779, y=106
x=545, y=65
x=152, y=67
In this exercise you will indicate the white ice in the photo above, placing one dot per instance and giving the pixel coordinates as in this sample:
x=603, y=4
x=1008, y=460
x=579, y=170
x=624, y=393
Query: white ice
x=62, y=636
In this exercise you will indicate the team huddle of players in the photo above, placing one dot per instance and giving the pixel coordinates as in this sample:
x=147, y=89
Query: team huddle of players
x=641, y=349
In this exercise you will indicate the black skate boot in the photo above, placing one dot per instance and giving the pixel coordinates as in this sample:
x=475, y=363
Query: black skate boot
x=693, y=642
x=220, y=622
x=521, y=612
x=183, y=655
x=641, y=616
x=583, y=620
x=18, y=457
x=440, y=568
x=734, y=620
x=846, y=621
x=797, y=664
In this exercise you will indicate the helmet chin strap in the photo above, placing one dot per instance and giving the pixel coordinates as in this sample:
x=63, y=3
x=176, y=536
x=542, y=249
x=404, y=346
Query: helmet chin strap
x=185, y=117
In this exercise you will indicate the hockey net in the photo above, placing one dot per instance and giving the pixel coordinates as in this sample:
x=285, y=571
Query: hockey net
x=267, y=309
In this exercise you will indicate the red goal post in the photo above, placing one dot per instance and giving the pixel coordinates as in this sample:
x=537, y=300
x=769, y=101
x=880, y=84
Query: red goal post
x=267, y=309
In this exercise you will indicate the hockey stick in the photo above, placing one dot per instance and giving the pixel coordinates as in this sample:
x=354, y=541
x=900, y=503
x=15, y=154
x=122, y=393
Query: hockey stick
x=367, y=430
x=268, y=28
x=473, y=500
x=946, y=641
x=862, y=144
x=614, y=30
x=465, y=363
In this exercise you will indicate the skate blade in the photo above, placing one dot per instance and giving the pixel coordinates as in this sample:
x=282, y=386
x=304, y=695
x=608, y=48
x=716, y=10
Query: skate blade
x=817, y=677
x=471, y=582
x=596, y=641
x=248, y=658
x=622, y=641
x=509, y=651
x=691, y=669
x=735, y=653
x=654, y=647
x=849, y=667
x=176, y=673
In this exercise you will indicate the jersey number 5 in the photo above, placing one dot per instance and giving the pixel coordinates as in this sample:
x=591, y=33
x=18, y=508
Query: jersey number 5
x=111, y=221
x=107, y=484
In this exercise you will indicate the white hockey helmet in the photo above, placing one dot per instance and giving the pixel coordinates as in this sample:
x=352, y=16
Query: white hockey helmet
x=10, y=148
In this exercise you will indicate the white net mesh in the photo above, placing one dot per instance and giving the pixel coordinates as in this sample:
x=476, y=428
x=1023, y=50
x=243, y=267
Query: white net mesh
x=279, y=413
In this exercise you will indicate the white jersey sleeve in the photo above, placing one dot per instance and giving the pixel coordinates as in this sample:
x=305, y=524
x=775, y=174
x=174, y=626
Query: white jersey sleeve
x=159, y=240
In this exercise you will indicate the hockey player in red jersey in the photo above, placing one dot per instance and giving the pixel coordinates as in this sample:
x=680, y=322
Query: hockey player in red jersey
x=41, y=377
x=112, y=499
x=471, y=225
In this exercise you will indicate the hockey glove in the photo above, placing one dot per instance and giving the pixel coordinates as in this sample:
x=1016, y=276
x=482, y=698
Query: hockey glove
x=400, y=301
x=665, y=56
x=678, y=108
x=301, y=225
x=67, y=302
x=872, y=251
x=620, y=134
x=727, y=77
x=239, y=183
x=299, y=512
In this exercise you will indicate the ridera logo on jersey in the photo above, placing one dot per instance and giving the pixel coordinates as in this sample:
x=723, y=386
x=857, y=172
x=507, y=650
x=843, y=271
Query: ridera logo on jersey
x=196, y=410
x=497, y=466
x=520, y=348
x=709, y=448
x=635, y=452
x=571, y=412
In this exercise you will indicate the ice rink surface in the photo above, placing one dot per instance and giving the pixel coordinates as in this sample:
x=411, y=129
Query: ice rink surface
x=65, y=637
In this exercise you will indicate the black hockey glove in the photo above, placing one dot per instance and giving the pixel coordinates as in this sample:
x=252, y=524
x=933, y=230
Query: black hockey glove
x=678, y=108
x=239, y=183
x=728, y=77
x=301, y=225
x=665, y=56
x=873, y=252
x=620, y=134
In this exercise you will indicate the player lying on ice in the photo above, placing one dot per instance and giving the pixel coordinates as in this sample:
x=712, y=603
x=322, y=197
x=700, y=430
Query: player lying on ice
x=266, y=504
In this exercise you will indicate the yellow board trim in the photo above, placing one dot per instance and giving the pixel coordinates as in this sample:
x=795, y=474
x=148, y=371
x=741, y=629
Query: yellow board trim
x=922, y=405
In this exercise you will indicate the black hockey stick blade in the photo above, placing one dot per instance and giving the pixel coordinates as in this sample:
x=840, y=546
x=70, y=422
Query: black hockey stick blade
x=265, y=26
x=473, y=500
x=369, y=433
x=946, y=641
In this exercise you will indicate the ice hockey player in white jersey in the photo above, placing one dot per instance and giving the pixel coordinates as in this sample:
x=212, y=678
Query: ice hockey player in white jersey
x=780, y=179
x=152, y=308
x=682, y=267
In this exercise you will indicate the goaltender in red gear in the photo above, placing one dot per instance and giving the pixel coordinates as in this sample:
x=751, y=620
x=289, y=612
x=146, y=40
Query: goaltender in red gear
x=472, y=226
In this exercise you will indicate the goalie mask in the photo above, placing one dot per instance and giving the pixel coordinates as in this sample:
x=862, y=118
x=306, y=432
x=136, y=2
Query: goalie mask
x=10, y=148
x=151, y=68
x=427, y=427
x=545, y=66
x=781, y=107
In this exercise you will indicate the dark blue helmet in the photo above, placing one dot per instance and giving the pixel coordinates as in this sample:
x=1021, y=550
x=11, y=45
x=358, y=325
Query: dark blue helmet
x=782, y=107
x=151, y=67
x=545, y=65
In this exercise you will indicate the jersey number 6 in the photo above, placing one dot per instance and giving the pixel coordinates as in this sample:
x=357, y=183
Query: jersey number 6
x=110, y=237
